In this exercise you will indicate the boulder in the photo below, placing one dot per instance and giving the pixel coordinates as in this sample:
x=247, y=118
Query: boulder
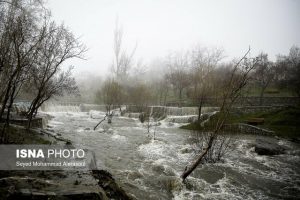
x=268, y=146
x=109, y=185
x=54, y=185
x=186, y=150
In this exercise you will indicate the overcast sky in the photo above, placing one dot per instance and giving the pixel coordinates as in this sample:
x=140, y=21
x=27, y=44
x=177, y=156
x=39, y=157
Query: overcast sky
x=162, y=26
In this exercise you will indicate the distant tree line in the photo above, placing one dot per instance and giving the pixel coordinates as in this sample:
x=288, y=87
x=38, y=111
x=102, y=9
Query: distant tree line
x=194, y=75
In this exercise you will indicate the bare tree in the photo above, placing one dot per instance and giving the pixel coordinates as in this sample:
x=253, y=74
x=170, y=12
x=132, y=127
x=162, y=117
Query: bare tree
x=232, y=89
x=289, y=70
x=20, y=34
x=203, y=61
x=163, y=90
x=140, y=96
x=112, y=96
x=178, y=74
x=264, y=74
x=47, y=76
x=123, y=60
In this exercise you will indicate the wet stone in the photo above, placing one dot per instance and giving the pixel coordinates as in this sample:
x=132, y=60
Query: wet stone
x=268, y=146
x=134, y=175
x=186, y=150
x=158, y=169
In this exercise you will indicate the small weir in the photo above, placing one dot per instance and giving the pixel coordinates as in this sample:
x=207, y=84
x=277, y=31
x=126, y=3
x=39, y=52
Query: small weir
x=170, y=114
x=72, y=107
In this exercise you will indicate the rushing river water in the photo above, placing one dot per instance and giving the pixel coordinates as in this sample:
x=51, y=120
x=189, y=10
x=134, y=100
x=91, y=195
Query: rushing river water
x=151, y=169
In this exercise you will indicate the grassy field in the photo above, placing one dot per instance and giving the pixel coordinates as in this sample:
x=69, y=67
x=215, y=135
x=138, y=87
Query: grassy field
x=284, y=122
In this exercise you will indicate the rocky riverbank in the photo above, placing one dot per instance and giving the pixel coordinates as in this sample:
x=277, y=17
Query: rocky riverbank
x=57, y=185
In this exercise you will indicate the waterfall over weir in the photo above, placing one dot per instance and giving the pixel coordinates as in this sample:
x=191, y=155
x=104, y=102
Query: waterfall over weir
x=170, y=111
x=169, y=114
x=72, y=107
x=181, y=111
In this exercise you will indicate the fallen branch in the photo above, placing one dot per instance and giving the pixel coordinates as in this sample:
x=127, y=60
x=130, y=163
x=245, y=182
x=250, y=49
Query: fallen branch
x=189, y=170
x=100, y=122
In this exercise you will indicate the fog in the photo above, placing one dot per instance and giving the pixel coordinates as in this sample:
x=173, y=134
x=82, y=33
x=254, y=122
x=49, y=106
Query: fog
x=161, y=27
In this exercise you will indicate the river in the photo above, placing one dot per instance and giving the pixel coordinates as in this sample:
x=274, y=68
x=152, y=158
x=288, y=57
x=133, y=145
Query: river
x=151, y=169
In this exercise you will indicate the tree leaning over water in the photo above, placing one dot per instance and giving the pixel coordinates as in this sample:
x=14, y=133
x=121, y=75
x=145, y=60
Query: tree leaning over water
x=48, y=79
x=233, y=86
x=32, y=51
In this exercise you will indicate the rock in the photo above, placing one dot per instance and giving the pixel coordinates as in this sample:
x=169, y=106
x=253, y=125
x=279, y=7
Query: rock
x=268, y=146
x=87, y=129
x=170, y=124
x=101, y=130
x=86, y=195
x=110, y=131
x=50, y=130
x=295, y=140
x=134, y=175
x=158, y=169
x=142, y=117
x=169, y=172
x=25, y=187
x=204, y=116
x=186, y=150
x=76, y=182
x=68, y=142
x=25, y=192
x=109, y=185
x=171, y=183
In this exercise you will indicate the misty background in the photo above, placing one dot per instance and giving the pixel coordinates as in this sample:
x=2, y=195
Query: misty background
x=161, y=27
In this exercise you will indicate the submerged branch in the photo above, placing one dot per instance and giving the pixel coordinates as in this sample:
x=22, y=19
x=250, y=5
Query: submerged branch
x=100, y=122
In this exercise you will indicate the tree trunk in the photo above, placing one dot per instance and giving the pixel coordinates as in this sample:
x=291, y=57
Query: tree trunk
x=180, y=97
x=189, y=170
x=165, y=97
x=261, y=96
x=33, y=108
x=30, y=115
x=199, y=109
x=5, y=99
x=11, y=101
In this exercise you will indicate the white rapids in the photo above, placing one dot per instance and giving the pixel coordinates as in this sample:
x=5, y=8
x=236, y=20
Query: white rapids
x=151, y=169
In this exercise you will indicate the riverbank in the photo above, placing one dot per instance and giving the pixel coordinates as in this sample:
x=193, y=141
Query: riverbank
x=58, y=184
x=284, y=122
